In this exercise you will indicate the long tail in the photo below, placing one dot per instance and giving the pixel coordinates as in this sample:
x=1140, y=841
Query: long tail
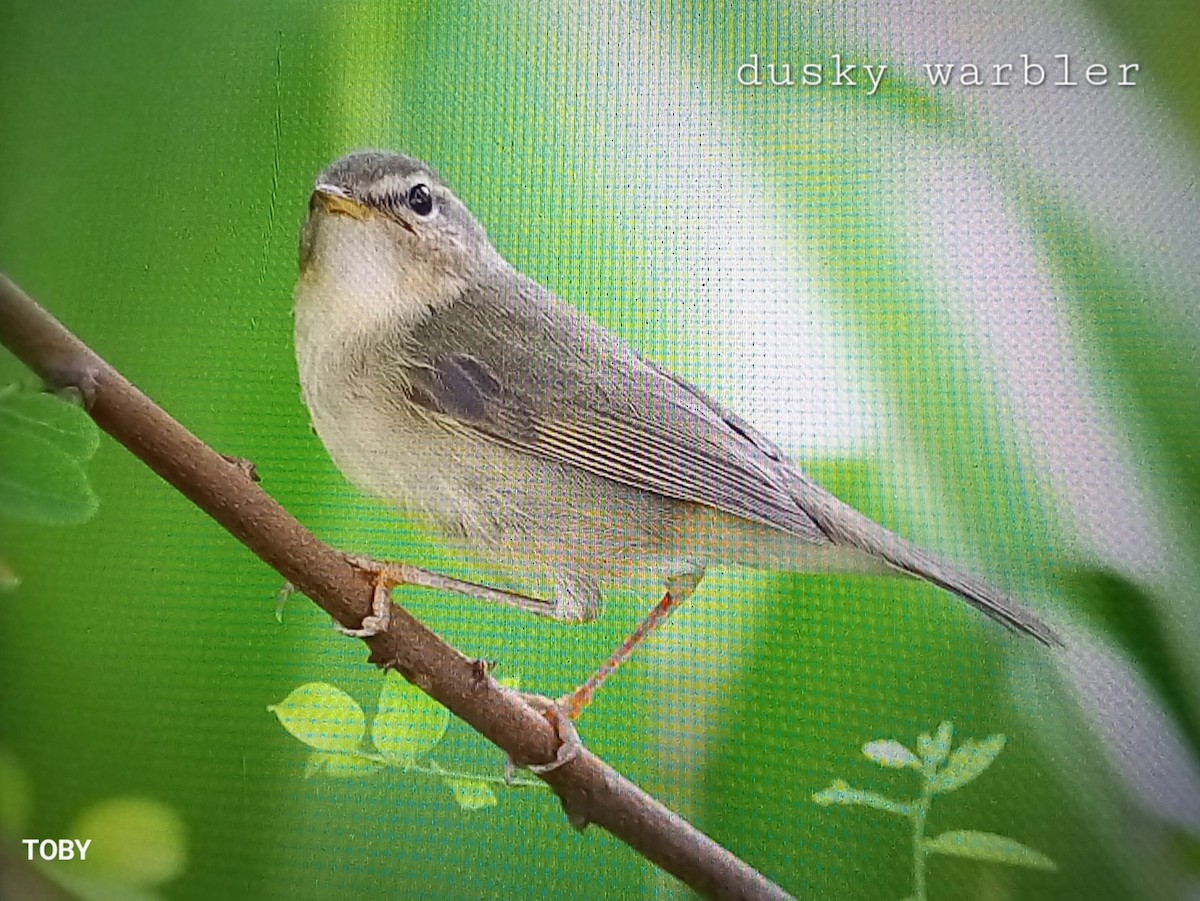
x=845, y=525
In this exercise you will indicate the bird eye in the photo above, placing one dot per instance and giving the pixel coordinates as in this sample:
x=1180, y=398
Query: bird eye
x=420, y=201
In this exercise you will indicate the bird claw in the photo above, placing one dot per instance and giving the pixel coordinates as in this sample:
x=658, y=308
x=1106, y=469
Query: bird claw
x=387, y=576
x=570, y=745
x=371, y=626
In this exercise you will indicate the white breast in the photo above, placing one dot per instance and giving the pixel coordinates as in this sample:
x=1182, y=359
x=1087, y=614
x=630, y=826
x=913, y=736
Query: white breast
x=360, y=278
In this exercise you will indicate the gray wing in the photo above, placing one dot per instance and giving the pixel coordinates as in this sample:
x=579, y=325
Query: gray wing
x=552, y=383
x=548, y=381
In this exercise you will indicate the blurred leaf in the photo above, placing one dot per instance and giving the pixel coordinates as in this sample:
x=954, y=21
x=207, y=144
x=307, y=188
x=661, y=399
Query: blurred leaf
x=1129, y=614
x=40, y=482
x=942, y=738
x=925, y=745
x=43, y=443
x=16, y=796
x=136, y=841
x=1151, y=358
x=968, y=761
x=934, y=750
x=840, y=793
x=55, y=421
x=989, y=847
x=890, y=753
x=340, y=766
x=1162, y=35
x=323, y=717
x=409, y=722
x=471, y=794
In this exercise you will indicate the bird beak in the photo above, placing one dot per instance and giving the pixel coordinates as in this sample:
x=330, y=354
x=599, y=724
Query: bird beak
x=337, y=201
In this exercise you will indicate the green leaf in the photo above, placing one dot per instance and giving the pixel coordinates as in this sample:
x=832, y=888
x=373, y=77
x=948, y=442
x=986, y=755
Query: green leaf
x=409, y=722
x=135, y=841
x=989, y=847
x=840, y=793
x=44, y=443
x=340, y=766
x=57, y=422
x=471, y=794
x=1129, y=614
x=837, y=793
x=935, y=750
x=323, y=717
x=16, y=797
x=925, y=747
x=41, y=483
x=890, y=753
x=967, y=762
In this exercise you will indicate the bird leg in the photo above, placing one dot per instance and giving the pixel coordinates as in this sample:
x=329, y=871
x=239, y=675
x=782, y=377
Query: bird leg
x=389, y=575
x=678, y=591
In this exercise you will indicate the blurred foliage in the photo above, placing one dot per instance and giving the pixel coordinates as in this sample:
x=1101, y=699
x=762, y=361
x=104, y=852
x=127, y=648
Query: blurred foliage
x=159, y=159
x=125, y=848
x=1128, y=613
x=136, y=842
x=44, y=446
x=942, y=769
x=405, y=729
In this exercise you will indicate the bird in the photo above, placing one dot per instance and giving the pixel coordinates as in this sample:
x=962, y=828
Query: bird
x=448, y=384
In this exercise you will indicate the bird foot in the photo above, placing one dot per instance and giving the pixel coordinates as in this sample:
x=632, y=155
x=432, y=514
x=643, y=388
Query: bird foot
x=386, y=577
x=570, y=744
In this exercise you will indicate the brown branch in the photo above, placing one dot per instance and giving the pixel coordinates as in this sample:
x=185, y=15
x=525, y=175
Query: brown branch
x=589, y=789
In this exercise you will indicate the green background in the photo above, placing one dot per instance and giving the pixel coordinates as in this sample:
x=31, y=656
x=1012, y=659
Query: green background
x=157, y=160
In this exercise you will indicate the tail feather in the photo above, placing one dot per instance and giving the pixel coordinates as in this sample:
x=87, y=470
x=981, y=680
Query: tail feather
x=845, y=525
x=997, y=604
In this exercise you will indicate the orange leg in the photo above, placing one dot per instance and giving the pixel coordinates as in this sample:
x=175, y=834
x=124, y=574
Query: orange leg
x=389, y=575
x=574, y=703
